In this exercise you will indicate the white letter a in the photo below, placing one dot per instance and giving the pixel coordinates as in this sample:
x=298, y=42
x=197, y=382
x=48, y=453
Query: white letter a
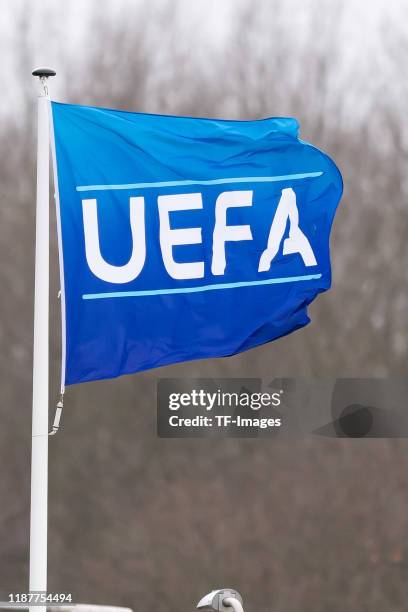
x=296, y=242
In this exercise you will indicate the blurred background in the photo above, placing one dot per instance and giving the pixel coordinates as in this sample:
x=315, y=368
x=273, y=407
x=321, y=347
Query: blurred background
x=312, y=524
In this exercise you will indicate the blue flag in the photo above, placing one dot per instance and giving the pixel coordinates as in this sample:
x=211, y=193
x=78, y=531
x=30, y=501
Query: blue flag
x=184, y=238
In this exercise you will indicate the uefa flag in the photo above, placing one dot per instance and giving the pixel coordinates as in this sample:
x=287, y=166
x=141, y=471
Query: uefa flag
x=184, y=238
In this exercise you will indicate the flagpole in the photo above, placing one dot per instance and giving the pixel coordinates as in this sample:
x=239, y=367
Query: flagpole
x=39, y=447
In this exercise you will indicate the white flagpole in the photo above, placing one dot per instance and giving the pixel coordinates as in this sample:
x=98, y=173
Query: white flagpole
x=39, y=448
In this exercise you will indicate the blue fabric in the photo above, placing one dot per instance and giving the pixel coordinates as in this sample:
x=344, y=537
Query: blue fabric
x=154, y=319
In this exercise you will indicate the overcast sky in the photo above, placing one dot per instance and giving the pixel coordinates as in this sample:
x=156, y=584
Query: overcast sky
x=207, y=23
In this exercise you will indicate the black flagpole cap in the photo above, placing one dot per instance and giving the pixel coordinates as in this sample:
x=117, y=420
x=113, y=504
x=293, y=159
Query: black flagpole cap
x=43, y=72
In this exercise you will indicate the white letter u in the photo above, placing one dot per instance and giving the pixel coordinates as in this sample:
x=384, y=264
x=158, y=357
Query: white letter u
x=97, y=264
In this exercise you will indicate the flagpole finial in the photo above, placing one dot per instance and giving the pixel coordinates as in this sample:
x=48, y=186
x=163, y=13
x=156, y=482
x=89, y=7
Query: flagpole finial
x=43, y=74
